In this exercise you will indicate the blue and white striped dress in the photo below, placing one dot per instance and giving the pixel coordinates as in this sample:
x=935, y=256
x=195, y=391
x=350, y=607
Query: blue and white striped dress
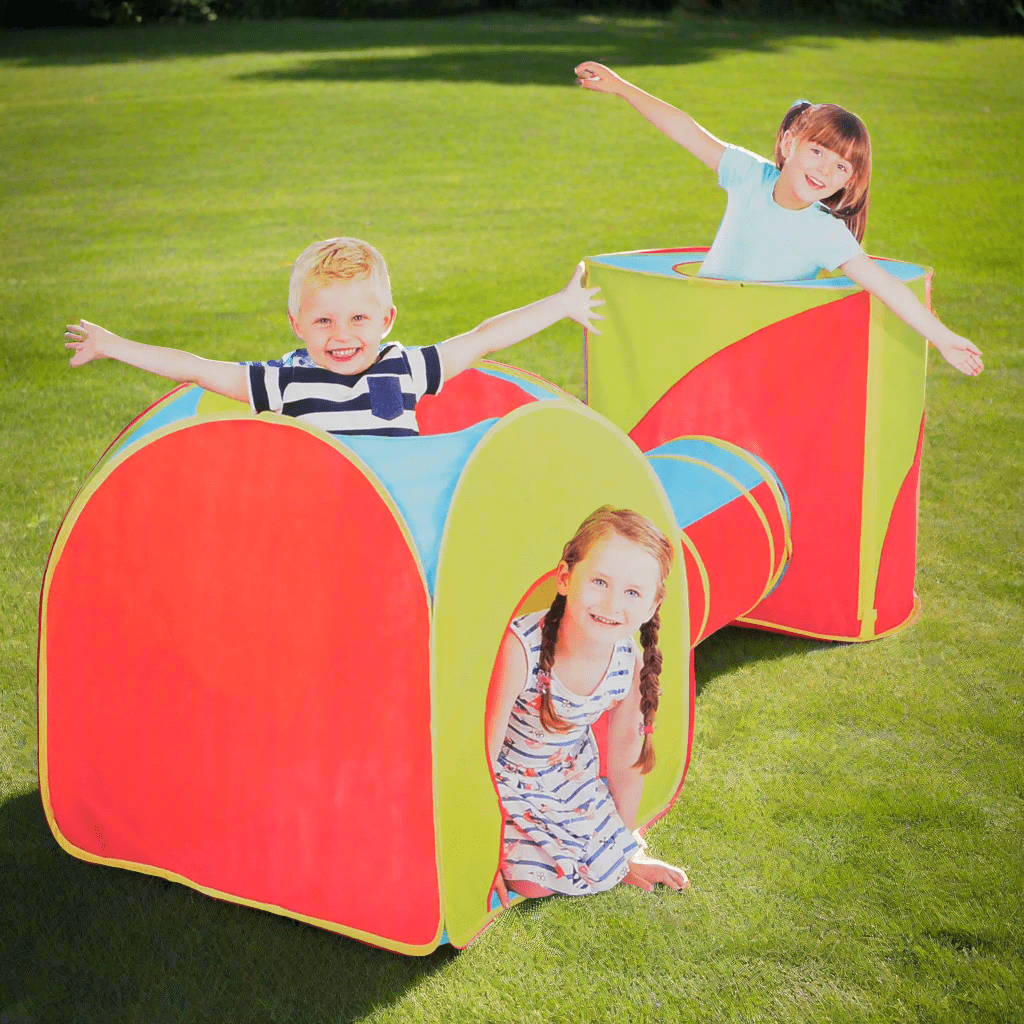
x=562, y=830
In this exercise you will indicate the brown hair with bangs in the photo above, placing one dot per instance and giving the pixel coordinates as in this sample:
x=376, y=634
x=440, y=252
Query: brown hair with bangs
x=640, y=531
x=844, y=133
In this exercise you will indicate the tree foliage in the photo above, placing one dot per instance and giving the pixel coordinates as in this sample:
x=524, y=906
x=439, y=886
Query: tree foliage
x=964, y=14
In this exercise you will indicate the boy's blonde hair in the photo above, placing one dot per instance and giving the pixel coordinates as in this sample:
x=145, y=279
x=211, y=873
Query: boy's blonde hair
x=339, y=259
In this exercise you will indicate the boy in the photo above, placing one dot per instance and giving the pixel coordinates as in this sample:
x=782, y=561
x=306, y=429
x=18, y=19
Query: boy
x=340, y=306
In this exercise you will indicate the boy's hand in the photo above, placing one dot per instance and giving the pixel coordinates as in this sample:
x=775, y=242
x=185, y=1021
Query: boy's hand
x=963, y=354
x=646, y=872
x=88, y=341
x=580, y=301
x=598, y=78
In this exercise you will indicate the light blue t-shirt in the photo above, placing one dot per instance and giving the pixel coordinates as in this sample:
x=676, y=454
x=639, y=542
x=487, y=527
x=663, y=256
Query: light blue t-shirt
x=758, y=240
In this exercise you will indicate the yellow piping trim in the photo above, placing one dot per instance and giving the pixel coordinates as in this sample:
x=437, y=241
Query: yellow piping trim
x=171, y=876
x=705, y=583
x=915, y=614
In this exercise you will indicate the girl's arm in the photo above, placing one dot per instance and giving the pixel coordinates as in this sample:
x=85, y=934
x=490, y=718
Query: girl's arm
x=957, y=351
x=574, y=301
x=678, y=126
x=508, y=680
x=90, y=341
x=626, y=785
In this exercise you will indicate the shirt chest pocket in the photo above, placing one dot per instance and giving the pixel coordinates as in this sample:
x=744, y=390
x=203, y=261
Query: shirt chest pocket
x=386, y=401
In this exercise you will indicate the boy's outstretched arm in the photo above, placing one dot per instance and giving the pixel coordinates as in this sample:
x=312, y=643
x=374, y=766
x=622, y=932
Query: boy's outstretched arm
x=90, y=341
x=676, y=124
x=573, y=301
x=957, y=351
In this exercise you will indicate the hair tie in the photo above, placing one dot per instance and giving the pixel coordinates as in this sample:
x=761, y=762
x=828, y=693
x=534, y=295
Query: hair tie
x=544, y=679
x=648, y=729
x=798, y=103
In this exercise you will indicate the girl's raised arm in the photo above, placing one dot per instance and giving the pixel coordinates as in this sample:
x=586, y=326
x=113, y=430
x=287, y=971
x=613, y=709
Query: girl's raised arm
x=676, y=124
x=957, y=351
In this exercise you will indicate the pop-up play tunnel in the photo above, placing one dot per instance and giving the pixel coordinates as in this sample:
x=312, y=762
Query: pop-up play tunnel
x=734, y=525
x=819, y=379
x=265, y=652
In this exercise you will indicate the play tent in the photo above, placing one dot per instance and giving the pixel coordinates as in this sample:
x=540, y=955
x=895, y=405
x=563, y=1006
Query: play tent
x=819, y=379
x=265, y=651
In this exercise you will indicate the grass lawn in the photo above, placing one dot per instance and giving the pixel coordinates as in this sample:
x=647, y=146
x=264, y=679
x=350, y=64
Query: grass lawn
x=852, y=817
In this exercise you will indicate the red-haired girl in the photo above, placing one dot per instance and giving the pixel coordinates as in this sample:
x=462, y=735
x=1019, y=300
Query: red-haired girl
x=566, y=829
x=803, y=213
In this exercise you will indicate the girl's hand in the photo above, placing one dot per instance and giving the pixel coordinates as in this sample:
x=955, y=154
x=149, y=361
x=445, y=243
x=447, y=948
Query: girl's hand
x=87, y=341
x=580, y=302
x=598, y=78
x=963, y=354
x=501, y=889
x=646, y=872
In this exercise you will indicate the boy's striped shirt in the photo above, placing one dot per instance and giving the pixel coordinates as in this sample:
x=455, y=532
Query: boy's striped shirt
x=379, y=401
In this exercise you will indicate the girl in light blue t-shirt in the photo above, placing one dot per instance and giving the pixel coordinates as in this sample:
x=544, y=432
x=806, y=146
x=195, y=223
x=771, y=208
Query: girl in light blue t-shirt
x=803, y=213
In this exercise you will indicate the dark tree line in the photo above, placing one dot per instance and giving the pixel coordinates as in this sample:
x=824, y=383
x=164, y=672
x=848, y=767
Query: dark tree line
x=962, y=14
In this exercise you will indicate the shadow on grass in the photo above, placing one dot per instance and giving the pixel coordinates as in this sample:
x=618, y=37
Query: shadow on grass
x=501, y=49
x=82, y=942
x=732, y=647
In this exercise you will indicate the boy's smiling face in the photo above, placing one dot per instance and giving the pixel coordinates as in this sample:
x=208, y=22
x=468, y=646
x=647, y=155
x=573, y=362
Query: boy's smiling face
x=343, y=324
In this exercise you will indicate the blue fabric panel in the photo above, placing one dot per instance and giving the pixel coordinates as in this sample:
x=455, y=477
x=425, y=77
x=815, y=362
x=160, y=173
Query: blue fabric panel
x=696, y=491
x=661, y=264
x=183, y=406
x=421, y=473
x=726, y=460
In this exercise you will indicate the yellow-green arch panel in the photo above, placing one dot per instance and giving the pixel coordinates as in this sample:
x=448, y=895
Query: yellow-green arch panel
x=525, y=490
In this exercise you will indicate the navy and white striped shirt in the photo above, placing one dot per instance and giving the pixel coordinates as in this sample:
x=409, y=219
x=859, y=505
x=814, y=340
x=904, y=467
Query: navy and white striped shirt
x=381, y=400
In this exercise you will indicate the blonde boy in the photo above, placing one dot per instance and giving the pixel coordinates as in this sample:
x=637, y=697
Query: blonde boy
x=344, y=381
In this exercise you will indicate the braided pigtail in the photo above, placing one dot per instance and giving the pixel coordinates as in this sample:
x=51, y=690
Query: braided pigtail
x=650, y=691
x=550, y=719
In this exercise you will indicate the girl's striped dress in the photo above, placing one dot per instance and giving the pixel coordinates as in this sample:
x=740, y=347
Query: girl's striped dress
x=562, y=830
